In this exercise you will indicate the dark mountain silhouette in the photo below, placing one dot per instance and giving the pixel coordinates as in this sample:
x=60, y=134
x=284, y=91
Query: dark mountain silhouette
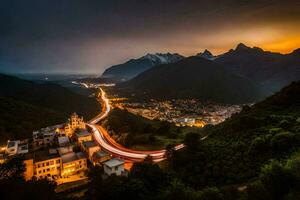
x=134, y=67
x=193, y=77
x=206, y=54
x=271, y=70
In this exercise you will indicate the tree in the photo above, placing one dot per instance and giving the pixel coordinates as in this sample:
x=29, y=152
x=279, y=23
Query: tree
x=211, y=194
x=13, y=168
x=170, y=151
x=148, y=160
x=191, y=140
x=283, y=142
x=277, y=180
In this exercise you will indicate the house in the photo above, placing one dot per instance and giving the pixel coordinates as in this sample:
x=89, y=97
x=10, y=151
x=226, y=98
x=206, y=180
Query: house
x=64, y=145
x=114, y=166
x=100, y=157
x=47, y=164
x=44, y=136
x=90, y=147
x=74, y=122
x=12, y=147
x=63, y=141
x=73, y=163
x=83, y=135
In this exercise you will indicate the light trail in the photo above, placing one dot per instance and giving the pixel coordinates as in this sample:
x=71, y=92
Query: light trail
x=110, y=145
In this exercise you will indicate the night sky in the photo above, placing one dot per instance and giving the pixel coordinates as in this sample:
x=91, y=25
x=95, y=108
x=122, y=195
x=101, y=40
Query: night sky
x=87, y=36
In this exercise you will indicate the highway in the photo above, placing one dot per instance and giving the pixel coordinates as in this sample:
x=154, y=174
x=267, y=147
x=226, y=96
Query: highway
x=107, y=143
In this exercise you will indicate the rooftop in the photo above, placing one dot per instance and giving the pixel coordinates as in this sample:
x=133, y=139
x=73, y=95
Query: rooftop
x=82, y=133
x=114, y=162
x=45, y=155
x=100, y=154
x=89, y=144
x=70, y=157
x=63, y=140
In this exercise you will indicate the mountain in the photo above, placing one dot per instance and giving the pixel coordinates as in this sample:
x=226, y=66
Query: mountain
x=27, y=105
x=134, y=67
x=206, y=54
x=193, y=77
x=271, y=70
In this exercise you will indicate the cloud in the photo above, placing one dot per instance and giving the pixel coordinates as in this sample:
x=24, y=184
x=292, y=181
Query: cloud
x=88, y=36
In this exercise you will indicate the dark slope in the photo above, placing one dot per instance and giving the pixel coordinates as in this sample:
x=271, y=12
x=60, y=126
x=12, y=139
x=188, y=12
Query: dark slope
x=133, y=67
x=26, y=105
x=47, y=95
x=19, y=119
x=271, y=70
x=193, y=77
x=235, y=150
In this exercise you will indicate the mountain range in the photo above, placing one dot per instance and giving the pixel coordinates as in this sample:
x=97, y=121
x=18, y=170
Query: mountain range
x=267, y=71
x=193, y=77
x=271, y=70
x=133, y=67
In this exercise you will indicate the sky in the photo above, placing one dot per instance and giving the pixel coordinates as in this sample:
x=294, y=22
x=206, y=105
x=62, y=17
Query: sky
x=88, y=36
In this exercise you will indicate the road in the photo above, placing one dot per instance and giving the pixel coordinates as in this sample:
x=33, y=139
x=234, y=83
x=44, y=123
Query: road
x=107, y=143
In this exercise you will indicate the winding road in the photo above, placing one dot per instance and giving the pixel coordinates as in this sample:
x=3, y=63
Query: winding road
x=107, y=143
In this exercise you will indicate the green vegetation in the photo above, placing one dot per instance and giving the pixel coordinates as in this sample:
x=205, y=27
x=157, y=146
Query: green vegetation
x=254, y=155
x=140, y=133
x=26, y=106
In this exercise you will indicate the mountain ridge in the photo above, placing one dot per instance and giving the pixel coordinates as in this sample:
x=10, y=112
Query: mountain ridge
x=133, y=67
x=193, y=77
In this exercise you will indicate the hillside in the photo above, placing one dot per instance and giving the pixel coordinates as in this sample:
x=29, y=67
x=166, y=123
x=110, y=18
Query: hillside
x=236, y=150
x=193, y=77
x=133, y=67
x=140, y=133
x=26, y=105
x=255, y=155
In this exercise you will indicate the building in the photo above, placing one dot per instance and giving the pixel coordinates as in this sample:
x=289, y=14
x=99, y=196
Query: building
x=64, y=145
x=83, y=135
x=100, y=157
x=45, y=136
x=47, y=164
x=63, y=141
x=90, y=147
x=12, y=147
x=74, y=122
x=29, y=169
x=73, y=163
x=114, y=166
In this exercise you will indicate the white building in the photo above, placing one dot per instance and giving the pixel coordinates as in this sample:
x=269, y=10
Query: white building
x=17, y=147
x=114, y=166
x=12, y=147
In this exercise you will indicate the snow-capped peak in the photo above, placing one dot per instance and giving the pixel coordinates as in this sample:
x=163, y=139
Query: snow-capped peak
x=163, y=58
